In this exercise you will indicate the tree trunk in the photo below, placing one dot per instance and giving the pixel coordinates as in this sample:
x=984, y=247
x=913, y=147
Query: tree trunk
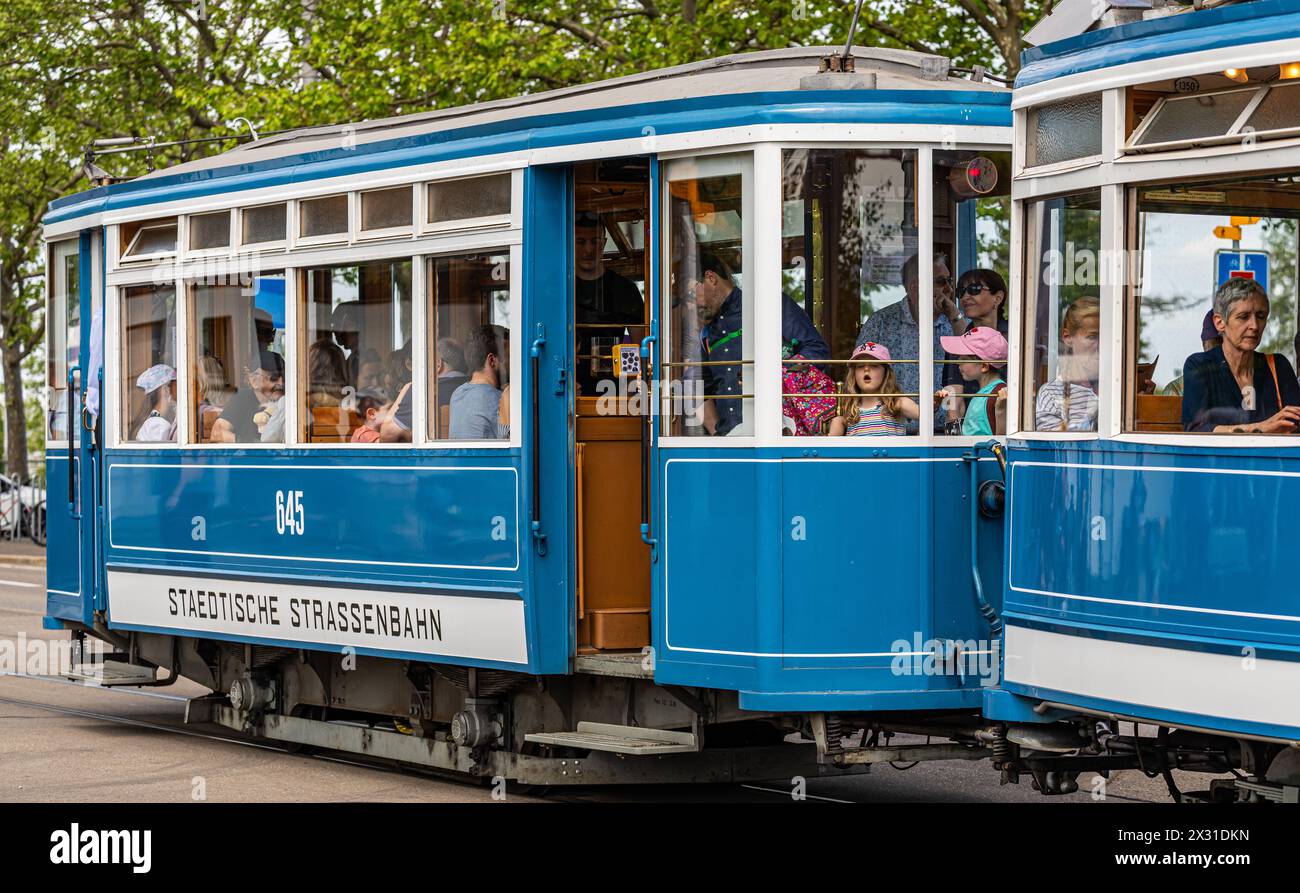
x=15, y=414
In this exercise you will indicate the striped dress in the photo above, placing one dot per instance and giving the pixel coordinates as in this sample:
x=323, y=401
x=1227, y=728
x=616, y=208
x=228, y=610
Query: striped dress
x=1051, y=407
x=874, y=421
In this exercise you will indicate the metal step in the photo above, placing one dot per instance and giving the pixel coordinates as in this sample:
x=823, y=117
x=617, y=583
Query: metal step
x=619, y=739
x=114, y=672
x=628, y=664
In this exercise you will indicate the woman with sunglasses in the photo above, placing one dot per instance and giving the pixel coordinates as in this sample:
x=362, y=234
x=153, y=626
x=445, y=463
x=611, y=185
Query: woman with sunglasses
x=981, y=295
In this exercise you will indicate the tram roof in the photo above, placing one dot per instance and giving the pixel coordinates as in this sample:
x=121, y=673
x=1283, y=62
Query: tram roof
x=748, y=88
x=1178, y=34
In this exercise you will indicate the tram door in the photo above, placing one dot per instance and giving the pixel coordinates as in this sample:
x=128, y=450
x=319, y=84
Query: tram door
x=70, y=484
x=611, y=232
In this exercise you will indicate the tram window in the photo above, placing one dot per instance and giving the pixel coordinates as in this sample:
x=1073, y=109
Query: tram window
x=1177, y=346
x=1063, y=312
x=149, y=239
x=357, y=329
x=474, y=201
x=386, y=209
x=148, y=384
x=1063, y=131
x=849, y=228
x=710, y=342
x=237, y=361
x=63, y=331
x=210, y=231
x=264, y=225
x=319, y=218
x=469, y=369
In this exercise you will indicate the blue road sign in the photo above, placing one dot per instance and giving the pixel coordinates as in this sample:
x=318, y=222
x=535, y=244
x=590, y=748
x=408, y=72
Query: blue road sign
x=1247, y=264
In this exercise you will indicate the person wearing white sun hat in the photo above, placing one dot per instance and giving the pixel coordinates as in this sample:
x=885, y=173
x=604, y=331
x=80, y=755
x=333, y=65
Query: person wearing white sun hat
x=159, y=425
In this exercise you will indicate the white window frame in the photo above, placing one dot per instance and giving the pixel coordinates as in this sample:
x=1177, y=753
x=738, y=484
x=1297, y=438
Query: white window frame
x=281, y=244
x=56, y=340
x=1232, y=134
x=748, y=161
x=390, y=232
x=225, y=251
x=495, y=221
x=298, y=240
x=1021, y=125
x=128, y=258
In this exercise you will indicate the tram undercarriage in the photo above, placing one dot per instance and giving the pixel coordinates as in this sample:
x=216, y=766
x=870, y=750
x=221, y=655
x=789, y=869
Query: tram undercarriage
x=609, y=723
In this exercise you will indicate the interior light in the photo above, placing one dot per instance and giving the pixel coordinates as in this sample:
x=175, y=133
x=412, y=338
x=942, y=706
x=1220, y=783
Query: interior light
x=1290, y=71
x=1237, y=74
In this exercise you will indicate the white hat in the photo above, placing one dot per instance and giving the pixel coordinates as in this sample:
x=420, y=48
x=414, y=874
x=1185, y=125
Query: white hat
x=155, y=377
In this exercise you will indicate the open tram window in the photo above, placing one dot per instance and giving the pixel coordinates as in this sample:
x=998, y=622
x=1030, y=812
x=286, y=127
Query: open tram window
x=971, y=225
x=356, y=368
x=469, y=369
x=1063, y=312
x=237, y=365
x=63, y=333
x=709, y=310
x=1211, y=341
x=849, y=276
x=148, y=384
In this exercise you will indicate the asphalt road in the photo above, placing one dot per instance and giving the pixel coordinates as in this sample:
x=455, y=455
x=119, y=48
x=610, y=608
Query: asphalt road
x=67, y=742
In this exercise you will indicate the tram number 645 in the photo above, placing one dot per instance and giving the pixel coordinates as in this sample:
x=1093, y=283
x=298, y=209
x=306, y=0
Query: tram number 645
x=288, y=512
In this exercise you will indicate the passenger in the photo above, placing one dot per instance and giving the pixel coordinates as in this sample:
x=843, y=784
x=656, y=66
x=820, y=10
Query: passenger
x=719, y=308
x=449, y=365
x=370, y=371
x=1234, y=389
x=327, y=374
x=503, y=413
x=600, y=296
x=158, y=421
x=1210, y=339
x=476, y=403
x=983, y=352
x=396, y=427
x=249, y=410
x=1069, y=402
x=345, y=323
x=860, y=410
x=373, y=407
x=982, y=295
x=214, y=388
x=897, y=324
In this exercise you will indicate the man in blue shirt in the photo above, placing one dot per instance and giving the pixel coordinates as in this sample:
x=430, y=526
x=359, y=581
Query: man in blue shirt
x=719, y=306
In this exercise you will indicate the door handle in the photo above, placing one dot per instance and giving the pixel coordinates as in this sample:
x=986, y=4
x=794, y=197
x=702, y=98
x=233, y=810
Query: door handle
x=535, y=357
x=74, y=399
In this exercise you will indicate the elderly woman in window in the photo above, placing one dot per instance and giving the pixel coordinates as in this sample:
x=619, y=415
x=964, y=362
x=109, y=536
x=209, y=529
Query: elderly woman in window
x=1232, y=388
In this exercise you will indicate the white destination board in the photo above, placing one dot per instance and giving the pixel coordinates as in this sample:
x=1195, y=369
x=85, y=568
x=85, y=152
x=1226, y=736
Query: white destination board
x=483, y=628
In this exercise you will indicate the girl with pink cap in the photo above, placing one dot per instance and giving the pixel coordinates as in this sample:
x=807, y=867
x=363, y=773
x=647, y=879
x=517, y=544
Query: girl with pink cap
x=871, y=404
x=982, y=352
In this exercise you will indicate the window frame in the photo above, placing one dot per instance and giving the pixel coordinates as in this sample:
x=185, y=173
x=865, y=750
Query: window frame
x=281, y=244
x=56, y=336
x=225, y=251
x=298, y=240
x=1023, y=126
x=355, y=221
x=1232, y=134
x=127, y=258
x=496, y=221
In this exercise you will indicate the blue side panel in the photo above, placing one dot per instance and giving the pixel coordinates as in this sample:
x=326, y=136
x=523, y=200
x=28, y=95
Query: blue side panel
x=1160, y=539
x=63, y=542
x=1172, y=547
x=436, y=518
x=821, y=583
x=1190, y=32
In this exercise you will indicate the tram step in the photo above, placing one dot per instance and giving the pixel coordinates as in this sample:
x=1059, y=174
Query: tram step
x=114, y=672
x=619, y=739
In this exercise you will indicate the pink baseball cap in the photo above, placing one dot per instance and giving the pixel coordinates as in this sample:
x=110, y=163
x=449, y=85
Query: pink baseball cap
x=984, y=342
x=872, y=350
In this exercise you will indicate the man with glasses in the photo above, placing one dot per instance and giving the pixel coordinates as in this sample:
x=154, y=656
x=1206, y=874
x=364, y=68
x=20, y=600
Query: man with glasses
x=897, y=328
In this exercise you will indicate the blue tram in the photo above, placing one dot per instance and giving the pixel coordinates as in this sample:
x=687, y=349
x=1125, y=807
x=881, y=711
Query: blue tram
x=1155, y=220
x=495, y=439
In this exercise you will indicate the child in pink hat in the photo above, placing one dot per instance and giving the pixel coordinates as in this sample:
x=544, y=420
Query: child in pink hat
x=871, y=404
x=982, y=352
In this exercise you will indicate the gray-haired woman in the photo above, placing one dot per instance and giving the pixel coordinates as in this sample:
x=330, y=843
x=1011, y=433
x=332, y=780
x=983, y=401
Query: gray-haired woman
x=1234, y=389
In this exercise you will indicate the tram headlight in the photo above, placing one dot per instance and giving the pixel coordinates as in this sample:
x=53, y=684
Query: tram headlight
x=1290, y=71
x=1236, y=74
